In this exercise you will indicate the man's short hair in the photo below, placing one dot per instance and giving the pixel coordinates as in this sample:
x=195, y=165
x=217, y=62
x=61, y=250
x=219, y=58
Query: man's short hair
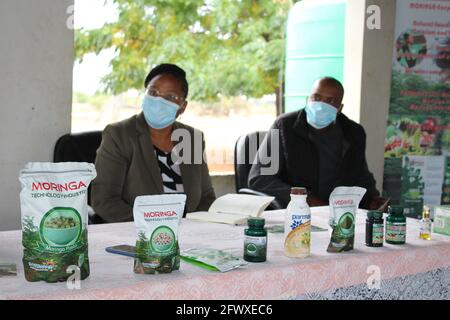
x=334, y=82
x=167, y=68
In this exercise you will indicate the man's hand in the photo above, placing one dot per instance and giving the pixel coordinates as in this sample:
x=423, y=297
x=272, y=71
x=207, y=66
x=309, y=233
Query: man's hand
x=315, y=202
x=379, y=204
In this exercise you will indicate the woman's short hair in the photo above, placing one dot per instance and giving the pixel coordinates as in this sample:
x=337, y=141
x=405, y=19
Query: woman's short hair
x=167, y=68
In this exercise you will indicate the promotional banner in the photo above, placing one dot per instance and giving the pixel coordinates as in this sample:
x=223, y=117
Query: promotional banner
x=417, y=147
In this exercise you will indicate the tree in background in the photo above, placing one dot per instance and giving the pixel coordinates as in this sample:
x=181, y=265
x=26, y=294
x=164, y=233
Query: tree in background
x=228, y=48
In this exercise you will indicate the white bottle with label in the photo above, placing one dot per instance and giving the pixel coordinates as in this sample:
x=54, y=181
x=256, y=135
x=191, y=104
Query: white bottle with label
x=297, y=226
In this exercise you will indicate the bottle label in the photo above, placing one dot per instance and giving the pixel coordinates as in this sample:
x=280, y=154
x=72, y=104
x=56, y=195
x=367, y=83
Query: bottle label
x=298, y=219
x=425, y=227
x=255, y=246
x=297, y=232
x=396, y=231
x=377, y=233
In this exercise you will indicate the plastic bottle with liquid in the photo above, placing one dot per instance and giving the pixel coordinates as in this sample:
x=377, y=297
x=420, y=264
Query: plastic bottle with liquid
x=297, y=227
x=425, y=224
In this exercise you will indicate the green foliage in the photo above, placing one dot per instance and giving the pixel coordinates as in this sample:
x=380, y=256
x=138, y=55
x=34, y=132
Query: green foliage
x=227, y=48
x=400, y=103
x=28, y=224
x=34, y=253
x=142, y=237
x=148, y=262
x=30, y=233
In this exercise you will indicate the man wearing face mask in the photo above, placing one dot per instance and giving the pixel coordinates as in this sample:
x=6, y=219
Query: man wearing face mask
x=136, y=155
x=319, y=148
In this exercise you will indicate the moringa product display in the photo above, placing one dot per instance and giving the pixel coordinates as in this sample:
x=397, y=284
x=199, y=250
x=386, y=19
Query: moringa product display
x=212, y=259
x=54, y=209
x=157, y=219
x=344, y=202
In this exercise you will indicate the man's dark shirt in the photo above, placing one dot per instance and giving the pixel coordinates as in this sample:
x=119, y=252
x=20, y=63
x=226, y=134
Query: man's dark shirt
x=329, y=144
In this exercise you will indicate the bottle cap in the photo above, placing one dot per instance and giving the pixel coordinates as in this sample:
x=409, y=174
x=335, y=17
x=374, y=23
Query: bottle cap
x=374, y=214
x=426, y=212
x=395, y=210
x=298, y=191
x=256, y=222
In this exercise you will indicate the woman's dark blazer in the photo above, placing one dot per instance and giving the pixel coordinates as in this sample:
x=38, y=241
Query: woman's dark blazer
x=127, y=167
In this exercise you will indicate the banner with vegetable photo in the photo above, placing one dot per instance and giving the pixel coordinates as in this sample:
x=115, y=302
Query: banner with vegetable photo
x=419, y=114
x=418, y=135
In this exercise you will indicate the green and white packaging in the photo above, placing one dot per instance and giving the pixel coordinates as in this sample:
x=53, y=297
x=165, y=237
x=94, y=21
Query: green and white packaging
x=344, y=202
x=157, y=219
x=441, y=222
x=212, y=259
x=54, y=210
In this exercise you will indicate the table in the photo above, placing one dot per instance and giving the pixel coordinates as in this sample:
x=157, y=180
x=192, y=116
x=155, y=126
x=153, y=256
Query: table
x=419, y=269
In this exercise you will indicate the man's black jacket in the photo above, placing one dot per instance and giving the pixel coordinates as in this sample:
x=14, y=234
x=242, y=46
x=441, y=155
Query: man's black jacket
x=299, y=160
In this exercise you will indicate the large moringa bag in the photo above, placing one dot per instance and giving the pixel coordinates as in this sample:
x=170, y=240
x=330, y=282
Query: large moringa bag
x=54, y=209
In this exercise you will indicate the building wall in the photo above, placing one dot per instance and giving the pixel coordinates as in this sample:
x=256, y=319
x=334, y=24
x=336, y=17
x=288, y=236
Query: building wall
x=36, y=62
x=367, y=75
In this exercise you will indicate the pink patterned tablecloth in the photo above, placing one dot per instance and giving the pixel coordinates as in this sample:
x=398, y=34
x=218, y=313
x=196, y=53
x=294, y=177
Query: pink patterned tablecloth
x=280, y=277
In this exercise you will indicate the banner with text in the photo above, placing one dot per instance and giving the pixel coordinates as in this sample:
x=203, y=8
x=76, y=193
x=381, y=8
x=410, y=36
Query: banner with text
x=417, y=147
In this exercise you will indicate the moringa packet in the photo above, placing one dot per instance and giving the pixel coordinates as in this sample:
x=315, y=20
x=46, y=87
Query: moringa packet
x=344, y=202
x=212, y=259
x=54, y=210
x=157, y=219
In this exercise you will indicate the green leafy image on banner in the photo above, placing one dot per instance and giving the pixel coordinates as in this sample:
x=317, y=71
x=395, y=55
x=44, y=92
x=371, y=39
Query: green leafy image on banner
x=446, y=185
x=418, y=172
x=412, y=188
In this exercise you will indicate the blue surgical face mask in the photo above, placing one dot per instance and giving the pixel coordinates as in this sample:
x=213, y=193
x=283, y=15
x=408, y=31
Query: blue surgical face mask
x=320, y=114
x=158, y=112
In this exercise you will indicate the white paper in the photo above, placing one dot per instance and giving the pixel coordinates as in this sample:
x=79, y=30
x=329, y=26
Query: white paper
x=233, y=209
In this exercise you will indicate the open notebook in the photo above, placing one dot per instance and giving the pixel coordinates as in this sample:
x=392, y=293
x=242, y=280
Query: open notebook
x=233, y=209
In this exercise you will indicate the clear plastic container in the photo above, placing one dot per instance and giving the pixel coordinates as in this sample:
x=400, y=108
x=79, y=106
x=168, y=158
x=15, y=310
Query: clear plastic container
x=297, y=227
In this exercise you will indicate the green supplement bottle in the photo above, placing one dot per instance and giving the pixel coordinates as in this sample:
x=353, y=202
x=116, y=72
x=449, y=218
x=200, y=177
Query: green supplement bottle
x=255, y=241
x=395, y=226
x=374, y=229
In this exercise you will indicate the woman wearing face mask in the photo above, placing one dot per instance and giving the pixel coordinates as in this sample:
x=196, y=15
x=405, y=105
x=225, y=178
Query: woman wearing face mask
x=138, y=156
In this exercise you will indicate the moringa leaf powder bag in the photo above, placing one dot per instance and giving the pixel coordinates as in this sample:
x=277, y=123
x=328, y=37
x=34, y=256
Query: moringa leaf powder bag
x=157, y=219
x=54, y=210
x=344, y=202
